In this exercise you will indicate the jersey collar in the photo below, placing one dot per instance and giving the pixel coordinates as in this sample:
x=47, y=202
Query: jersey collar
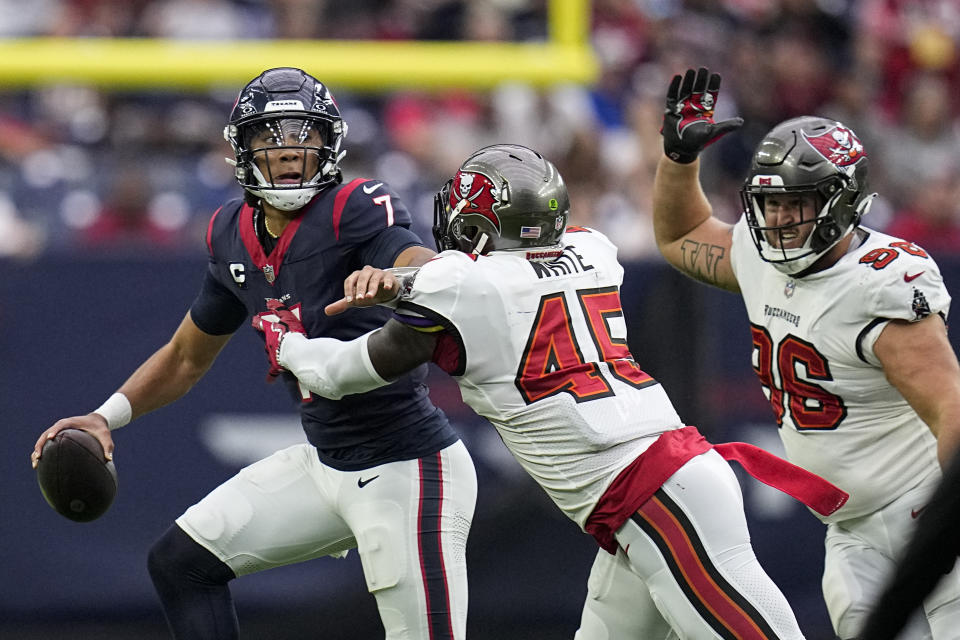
x=270, y=265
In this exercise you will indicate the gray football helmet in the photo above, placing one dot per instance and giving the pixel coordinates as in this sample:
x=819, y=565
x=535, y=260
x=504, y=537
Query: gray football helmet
x=503, y=197
x=274, y=108
x=807, y=155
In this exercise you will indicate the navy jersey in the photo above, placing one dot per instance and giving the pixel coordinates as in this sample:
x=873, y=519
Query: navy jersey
x=341, y=230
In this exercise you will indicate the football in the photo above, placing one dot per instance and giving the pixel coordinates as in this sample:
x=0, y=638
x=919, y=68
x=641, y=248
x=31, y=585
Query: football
x=74, y=477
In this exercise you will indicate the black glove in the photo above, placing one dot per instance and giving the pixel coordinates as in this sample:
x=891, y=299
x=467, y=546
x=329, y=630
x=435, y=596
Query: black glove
x=688, y=126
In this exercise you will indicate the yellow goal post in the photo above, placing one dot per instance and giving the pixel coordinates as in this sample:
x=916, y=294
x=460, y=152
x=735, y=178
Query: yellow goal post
x=361, y=65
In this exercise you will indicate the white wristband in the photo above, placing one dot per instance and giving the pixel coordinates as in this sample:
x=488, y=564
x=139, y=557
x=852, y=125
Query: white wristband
x=116, y=411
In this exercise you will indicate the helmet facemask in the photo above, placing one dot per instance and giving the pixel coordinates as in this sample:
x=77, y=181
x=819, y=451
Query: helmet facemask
x=286, y=160
x=818, y=217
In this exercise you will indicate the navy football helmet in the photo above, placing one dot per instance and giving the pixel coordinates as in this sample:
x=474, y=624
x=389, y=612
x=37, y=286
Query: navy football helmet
x=286, y=133
x=503, y=197
x=816, y=160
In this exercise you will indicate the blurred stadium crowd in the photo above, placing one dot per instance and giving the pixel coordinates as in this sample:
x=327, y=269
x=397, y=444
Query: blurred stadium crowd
x=83, y=169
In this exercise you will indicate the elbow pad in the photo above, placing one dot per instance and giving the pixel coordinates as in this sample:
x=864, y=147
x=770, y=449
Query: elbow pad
x=329, y=367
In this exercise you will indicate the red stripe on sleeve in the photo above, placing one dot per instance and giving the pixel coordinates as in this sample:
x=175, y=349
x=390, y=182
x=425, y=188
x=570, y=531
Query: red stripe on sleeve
x=210, y=231
x=340, y=201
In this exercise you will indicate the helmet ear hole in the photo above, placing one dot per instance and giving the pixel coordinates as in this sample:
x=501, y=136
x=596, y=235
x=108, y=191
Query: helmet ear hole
x=828, y=232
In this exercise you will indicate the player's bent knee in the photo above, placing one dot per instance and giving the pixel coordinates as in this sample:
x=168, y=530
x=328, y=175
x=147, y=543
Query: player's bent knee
x=176, y=558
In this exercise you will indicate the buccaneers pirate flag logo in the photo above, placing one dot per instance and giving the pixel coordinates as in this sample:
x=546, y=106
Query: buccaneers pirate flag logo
x=839, y=145
x=482, y=196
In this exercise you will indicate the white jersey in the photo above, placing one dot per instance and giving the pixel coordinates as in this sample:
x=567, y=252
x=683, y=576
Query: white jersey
x=557, y=380
x=813, y=341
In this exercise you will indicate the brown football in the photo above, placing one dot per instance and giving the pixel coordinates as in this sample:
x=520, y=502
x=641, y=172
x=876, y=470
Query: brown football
x=74, y=477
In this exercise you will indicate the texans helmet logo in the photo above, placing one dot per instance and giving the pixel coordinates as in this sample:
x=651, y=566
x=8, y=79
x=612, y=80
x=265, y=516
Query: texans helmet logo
x=839, y=145
x=482, y=196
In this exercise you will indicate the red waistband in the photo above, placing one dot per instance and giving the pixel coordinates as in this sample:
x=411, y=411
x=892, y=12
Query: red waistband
x=645, y=475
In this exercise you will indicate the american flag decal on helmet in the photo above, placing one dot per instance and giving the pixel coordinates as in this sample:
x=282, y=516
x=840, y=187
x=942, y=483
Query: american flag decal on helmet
x=529, y=232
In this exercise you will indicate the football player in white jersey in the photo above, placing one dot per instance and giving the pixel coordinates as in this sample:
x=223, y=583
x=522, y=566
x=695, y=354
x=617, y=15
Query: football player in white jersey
x=525, y=313
x=848, y=327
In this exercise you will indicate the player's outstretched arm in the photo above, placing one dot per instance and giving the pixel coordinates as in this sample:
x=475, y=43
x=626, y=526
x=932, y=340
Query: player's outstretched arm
x=335, y=368
x=397, y=348
x=687, y=234
x=164, y=377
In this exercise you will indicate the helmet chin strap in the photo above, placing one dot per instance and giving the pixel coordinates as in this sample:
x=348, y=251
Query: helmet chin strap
x=481, y=243
x=865, y=205
x=330, y=166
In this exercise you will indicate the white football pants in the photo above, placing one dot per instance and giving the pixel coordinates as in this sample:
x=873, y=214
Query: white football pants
x=861, y=553
x=686, y=569
x=409, y=521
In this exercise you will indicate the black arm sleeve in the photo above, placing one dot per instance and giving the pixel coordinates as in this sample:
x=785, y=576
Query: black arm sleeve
x=930, y=554
x=216, y=310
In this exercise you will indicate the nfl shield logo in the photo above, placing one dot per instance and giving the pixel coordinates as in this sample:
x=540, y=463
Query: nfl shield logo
x=789, y=288
x=268, y=273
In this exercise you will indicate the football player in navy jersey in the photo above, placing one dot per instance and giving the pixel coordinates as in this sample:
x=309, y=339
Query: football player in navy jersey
x=382, y=471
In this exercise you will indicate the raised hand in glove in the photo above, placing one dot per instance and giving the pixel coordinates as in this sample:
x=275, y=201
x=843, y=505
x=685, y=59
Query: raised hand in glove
x=688, y=126
x=276, y=323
